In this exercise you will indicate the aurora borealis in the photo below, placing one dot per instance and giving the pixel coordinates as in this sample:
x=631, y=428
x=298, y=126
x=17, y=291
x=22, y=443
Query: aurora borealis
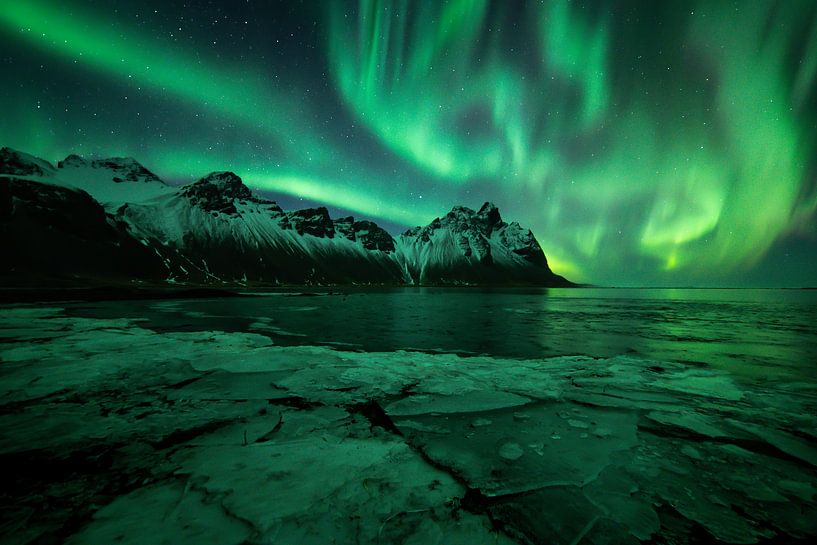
x=643, y=142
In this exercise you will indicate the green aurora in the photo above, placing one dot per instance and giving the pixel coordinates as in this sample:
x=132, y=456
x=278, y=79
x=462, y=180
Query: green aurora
x=644, y=143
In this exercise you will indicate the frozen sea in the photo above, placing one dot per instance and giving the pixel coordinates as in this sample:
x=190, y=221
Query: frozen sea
x=417, y=415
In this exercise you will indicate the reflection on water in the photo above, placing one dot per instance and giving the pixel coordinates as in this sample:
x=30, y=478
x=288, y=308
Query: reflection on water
x=751, y=332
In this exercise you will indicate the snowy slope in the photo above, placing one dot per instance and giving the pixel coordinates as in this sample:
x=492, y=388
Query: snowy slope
x=112, y=181
x=216, y=229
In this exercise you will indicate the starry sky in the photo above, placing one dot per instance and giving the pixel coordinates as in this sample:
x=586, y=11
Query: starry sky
x=644, y=143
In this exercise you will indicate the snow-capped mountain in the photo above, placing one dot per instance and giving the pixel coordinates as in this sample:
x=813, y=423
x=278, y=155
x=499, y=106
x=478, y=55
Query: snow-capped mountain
x=467, y=246
x=217, y=230
x=112, y=182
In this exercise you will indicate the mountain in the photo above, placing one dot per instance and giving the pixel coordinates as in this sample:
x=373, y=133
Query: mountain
x=113, y=218
x=474, y=247
x=112, y=182
x=52, y=233
x=18, y=163
x=216, y=229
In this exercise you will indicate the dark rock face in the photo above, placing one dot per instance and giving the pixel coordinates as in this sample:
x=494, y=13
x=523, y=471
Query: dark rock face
x=310, y=221
x=66, y=236
x=218, y=192
x=373, y=237
x=18, y=163
x=489, y=214
x=219, y=185
x=368, y=233
x=345, y=227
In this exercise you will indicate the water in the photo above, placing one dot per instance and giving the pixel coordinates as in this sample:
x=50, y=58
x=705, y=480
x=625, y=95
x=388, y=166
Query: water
x=369, y=441
x=761, y=333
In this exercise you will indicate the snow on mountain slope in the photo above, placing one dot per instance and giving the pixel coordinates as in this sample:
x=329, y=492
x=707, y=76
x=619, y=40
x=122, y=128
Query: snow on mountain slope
x=216, y=229
x=112, y=182
x=465, y=246
x=17, y=163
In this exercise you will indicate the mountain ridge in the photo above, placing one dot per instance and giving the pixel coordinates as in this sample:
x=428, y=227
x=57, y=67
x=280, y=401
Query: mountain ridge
x=216, y=230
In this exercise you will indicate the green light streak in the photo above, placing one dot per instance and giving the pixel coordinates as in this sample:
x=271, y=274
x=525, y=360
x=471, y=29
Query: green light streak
x=709, y=188
x=576, y=50
x=236, y=93
x=316, y=189
x=127, y=55
x=691, y=161
x=337, y=192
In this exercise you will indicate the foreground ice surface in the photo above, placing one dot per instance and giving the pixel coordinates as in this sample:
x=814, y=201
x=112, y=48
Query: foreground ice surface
x=118, y=434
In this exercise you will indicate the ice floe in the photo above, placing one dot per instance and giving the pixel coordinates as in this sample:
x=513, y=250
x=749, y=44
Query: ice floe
x=115, y=432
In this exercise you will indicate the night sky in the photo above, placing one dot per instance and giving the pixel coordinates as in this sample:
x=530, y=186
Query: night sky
x=645, y=143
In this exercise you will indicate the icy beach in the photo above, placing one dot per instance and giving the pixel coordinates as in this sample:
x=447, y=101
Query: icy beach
x=114, y=429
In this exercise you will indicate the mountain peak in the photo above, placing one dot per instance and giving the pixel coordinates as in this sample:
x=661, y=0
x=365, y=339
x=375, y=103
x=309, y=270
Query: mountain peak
x=130, y=169
x=226, y=183
x=218, y=191
x=123, y=169
x=22, y=164
x=460, y=211
x=481, y=240
x=462, y=218
x=73, y=160
x=491, y=213
x=123, y=161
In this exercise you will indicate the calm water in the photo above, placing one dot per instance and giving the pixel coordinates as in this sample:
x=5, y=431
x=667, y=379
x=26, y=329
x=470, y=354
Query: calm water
x=759, y=333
